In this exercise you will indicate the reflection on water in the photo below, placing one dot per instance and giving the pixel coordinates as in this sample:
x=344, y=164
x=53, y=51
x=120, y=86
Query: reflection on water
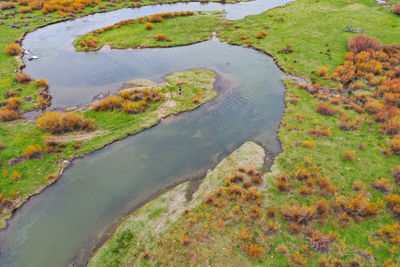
x=55, y=227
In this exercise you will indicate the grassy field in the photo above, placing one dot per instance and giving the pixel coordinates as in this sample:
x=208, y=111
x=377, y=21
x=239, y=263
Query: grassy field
x=182, y=31
x=38, y=173
x=319, y=204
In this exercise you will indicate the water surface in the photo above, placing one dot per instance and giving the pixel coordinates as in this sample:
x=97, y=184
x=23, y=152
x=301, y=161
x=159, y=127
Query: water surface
x=63, y=222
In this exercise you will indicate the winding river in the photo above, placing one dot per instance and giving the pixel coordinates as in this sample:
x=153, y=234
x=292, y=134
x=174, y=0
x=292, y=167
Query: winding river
x=66, y=221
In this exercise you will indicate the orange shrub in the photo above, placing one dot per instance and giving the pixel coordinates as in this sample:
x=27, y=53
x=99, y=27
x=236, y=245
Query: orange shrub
x=282, y=183
x=396, y=9
x=361, y=42
x=56, y=122
x=320, y=242
x=394, y=145
x=131, y=107
x=382, y=185
x=109, y=103
x=13, y=49
x=348, y=155
x=41, y=83
x=196, y=100
x=254, y=251
x=15, y=176
x=261, y=34
x=9, y=115
x=89, y=42
x=297, y=260
x=161, y=37
x=23, y=78
x=326, y=109
x=322, y=71
x=308, y=144
x=33, y=152
x=392, y=126
x=393, y=203
x=148, y=26
x=320, y=132
x=156, y=18
x=7, y=5
x=25, y=9
x=396, y=174
x=300, y=215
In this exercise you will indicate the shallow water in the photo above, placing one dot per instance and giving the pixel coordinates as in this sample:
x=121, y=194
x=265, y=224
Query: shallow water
x=63, y=222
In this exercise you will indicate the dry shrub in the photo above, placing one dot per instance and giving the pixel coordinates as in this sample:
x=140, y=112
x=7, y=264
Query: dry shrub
x=394, y=145
x=271, y=212
x=322, y=208
x=396, y=174
x=326, y=186
x=301, y=215
x=308, y=144
x=321, y=242
x=156, y=18
x=396, y=9
x=358, y=186
x=89, y=42
x=15, y=176
x=256, y=180
x=271, y=227
x=390, y=233
x=23, y=78
x=382, y=185
x=13, y=103
x=345, y=123
x=361, y=42
x=161, y=37
x=393, y=203
x=252, y=194
x=254, y=251
x=131, y=107
x=305, y=191
x=9, y=115
x=348, y=155
x=148, y=26
x=7, y=5
x=320, y=132
x=326, y=109
x=392, y=126
x=41, y=83
x=357, y=207
x=13, y=49
x=297, y=260
x=322, y=71
x=33, y=152
x=57, y=123
x=301, y=173
x=109, y=103
x=261, y=34
x=25, y=9
x=282, y=249
x=282, y=183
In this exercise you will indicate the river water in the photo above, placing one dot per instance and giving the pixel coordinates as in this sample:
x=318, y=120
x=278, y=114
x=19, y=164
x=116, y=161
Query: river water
x=66, y=220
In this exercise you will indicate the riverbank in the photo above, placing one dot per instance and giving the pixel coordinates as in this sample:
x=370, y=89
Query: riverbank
x=197, y=88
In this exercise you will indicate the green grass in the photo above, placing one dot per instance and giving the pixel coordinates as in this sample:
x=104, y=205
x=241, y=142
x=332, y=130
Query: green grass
x=117, y=125
x=182, y=30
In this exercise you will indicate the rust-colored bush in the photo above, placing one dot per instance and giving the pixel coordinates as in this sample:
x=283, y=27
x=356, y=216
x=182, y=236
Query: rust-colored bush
x=396, y=9
x=33, y=152
x=16, y=176
x=282, y=183
x=271, y=212
x=322, y=71
x=9, y=115
x=25, y=9
x=358, y=186
x=196, y=99
x=23, y=78
x=148, y=26
x=89, y=42
x=305, y=191
x=13, y=49
x=131, y=107
x=361, y=42
x=320, y=132
x=254, y=251
x=308, y=144
x=301, y=215
x=161, y=37
x=348, y=155
x=261, y=34
x=382, y=185
x=56, y=122
x=7, y=5
x=297, y=260
x=393, y=203
x=321, y=242
x=41, y=83
x=156, y=18
x=109, y=103
x=326, y=109
x=396, y=174
x=13, y=103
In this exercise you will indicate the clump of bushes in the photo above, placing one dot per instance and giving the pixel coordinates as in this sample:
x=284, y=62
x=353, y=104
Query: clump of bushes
x=148, y=26
x=23, y=78
x=156, y=18
x=396, y=174
x=282, y=183
x=13, y=49
x=382, y=185
x=393, y=203
x=362, y=43
x=9, y=115
x=7, y=5
x=109, y=103
x=396, y=9
x=348, y=155
x=326, y=109
x=261, y=34
x=58, y=123
x=89, y=42
x=33, y=152
x=41, y=83
x=322, y=71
